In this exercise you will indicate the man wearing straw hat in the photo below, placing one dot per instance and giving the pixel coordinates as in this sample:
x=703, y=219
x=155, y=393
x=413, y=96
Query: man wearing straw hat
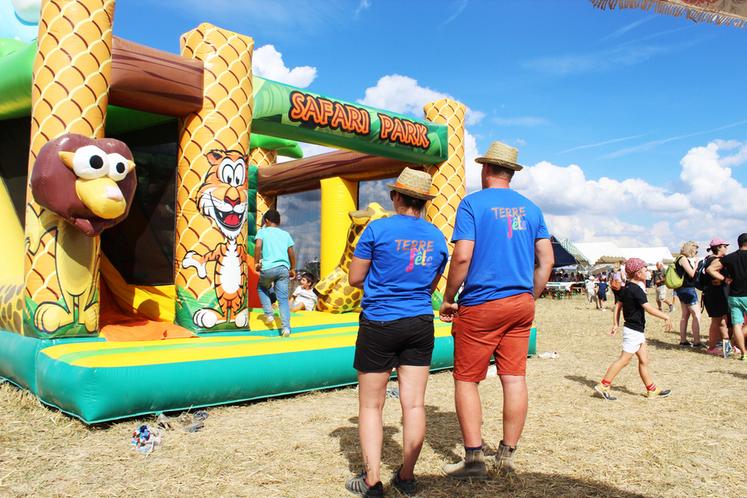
x=503, y=256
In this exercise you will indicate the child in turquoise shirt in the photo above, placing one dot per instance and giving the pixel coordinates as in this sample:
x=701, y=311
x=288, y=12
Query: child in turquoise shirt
x=276, y=266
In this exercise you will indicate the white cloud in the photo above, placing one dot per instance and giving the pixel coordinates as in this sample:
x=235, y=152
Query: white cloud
x=709, y=201
x=737, y=158
x=711, y=183
x=403, y=94
x=268, y=63
x=472, y=169
x=565, y=189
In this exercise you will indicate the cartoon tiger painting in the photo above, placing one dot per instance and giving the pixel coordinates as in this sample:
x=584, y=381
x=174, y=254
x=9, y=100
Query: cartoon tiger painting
x=223, y=199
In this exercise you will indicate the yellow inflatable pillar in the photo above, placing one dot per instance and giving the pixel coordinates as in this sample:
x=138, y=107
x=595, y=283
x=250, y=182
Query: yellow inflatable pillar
x=449, y=176
x=261, y=157
x=69, y=94
x=11, y=265
x=211, y=267
x=339, y=197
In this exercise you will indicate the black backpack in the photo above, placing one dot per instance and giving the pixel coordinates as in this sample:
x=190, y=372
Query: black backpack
x=702, y=279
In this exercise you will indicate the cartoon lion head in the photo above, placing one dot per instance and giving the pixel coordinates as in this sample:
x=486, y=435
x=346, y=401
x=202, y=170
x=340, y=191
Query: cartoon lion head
x=223, y=195
x=88, y=182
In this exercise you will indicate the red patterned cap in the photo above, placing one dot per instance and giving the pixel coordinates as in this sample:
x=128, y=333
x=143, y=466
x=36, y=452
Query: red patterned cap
x=633, y=265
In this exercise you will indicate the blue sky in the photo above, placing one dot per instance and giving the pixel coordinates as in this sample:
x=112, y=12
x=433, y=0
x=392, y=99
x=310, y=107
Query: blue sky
x=632, y=124
x=605, y=106
x=558, y=77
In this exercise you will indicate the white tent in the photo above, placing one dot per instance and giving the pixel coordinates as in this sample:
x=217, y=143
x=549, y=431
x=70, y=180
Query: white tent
x=651, y=255
x=595, y=252
x=605, y=254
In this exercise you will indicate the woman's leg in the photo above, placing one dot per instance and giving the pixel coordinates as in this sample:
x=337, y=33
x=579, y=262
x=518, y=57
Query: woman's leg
x=683, y=321
x=412, y=381
x=714, y=331
x=724, y=328
x=371, y=397
x=695, y=313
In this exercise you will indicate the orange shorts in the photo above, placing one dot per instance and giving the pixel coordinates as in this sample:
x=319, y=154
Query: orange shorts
x=497, y=328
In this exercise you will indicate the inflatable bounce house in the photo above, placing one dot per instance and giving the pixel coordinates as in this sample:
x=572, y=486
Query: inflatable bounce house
x=131, y=182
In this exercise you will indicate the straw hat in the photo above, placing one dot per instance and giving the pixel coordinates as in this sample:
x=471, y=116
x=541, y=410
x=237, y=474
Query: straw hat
x=413, y=183
x=501, y=154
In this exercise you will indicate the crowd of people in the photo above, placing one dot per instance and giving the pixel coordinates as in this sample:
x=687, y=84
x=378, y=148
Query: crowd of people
x=706, y=287
x=722, y=278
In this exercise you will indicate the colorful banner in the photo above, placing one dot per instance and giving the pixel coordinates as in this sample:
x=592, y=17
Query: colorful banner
x=288, y=112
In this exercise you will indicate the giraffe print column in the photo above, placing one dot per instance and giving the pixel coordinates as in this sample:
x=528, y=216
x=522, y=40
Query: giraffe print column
x=69, y=94
x=449, y=176
x=261, y=157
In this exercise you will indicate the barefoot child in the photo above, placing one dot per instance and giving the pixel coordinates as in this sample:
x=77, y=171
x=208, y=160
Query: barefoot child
x=303, y=297
x=633, y=303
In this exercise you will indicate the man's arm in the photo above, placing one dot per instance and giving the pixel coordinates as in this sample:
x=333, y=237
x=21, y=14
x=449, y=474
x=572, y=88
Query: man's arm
x=460, y=261
x=357, y=271
x=258, y=255
x=292, y=259
x=544, y=258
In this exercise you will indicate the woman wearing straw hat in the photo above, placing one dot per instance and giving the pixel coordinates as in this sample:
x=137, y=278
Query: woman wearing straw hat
x=397, y=261
x=498, y=235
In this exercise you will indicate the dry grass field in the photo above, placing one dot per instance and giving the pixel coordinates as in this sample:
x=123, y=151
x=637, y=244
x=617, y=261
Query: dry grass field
x=574, y=444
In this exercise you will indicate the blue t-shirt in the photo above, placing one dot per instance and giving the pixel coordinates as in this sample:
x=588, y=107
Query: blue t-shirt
x=406, y=253
x=275, y=244
x=504, y=225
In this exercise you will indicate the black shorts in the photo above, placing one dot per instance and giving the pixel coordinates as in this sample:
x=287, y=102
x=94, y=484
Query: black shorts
x=715, y=302
x=382, y=346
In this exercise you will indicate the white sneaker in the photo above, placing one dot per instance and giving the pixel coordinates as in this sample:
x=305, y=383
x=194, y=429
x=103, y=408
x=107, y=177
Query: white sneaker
x=268, y=320
x=727, y=349
x=286, y=332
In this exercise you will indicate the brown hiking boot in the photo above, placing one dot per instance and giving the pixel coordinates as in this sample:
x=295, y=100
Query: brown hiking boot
x=472, y=467
x=504, y=459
